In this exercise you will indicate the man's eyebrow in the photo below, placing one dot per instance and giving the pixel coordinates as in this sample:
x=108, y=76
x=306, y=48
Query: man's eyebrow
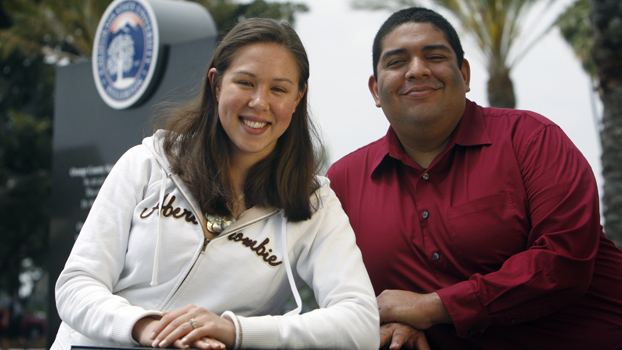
x=431, y=47
x=436, y=47
x=392, y=53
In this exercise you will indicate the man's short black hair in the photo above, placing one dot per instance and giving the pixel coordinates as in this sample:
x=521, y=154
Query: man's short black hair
x=416, y=15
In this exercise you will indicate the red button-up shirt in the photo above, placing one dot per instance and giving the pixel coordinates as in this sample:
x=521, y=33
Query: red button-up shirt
x=504, y=225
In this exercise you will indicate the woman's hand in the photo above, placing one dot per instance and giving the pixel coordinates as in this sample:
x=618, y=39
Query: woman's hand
x=143, y=329
x=208, y=331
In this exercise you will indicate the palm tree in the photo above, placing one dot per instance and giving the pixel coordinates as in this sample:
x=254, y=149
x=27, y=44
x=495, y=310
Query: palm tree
x=606, y=20
x=498, y=27
x=575, y=27
x=592, y=29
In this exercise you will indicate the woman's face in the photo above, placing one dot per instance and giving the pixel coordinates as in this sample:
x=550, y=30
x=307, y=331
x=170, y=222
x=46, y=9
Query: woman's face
x=256, y=97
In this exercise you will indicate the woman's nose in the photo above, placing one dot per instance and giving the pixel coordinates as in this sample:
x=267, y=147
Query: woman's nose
x=259, y=101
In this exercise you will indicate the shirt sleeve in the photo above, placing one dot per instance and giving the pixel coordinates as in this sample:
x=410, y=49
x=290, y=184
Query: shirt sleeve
x=329, y=261
x=557, y=266
x=84, y=297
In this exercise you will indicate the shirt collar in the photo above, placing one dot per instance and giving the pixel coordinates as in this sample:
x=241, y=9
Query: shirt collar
x=471, y=131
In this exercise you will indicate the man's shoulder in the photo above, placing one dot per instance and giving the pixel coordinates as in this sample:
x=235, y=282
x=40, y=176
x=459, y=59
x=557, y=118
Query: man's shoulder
x=514, y=116
x=360, y=157
x=517, y=124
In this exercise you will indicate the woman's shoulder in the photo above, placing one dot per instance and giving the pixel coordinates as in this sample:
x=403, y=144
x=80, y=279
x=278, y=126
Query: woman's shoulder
x=324, y=194
x=323, y=188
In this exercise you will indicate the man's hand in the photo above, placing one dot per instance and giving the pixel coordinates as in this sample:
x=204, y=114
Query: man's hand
x=421, y=311
x=398, y=335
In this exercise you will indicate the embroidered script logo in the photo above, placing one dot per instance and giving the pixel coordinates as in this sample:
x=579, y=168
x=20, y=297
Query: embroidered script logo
x=169, y=211
x=260, y=250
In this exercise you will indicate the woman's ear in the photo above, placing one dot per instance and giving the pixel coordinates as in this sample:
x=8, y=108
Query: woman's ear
x=210, y=76
x=299, y=97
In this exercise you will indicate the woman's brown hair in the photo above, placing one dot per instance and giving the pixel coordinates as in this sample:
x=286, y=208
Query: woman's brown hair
x=199, y=150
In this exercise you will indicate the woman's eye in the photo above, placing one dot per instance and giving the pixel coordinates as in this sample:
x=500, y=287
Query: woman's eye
x=245, y=83
x=279, y=89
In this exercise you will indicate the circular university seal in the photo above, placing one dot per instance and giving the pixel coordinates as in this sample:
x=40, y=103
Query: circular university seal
x=125, y=52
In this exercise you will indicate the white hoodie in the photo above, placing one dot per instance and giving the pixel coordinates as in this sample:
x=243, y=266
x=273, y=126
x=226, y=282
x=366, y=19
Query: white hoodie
x=133, y=260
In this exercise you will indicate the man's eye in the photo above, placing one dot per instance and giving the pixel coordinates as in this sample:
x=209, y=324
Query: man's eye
x=394, y=62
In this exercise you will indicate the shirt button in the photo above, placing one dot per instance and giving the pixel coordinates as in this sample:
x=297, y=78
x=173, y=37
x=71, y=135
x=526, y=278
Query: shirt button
x=426, y=176
x=436, y=256
x=426, y=214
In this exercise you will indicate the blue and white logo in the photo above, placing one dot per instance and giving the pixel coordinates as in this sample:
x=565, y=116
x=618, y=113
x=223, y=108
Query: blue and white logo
x=125, y=52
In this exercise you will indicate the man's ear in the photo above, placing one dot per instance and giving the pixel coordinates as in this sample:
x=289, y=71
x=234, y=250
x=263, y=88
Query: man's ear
x=466, y=74
x=373, y=88
x=215, y=89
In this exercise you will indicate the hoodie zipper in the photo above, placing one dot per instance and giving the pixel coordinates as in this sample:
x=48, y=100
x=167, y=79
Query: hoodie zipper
x=206, y=240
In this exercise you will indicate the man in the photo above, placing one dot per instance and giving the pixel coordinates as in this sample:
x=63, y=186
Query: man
x=479, y=226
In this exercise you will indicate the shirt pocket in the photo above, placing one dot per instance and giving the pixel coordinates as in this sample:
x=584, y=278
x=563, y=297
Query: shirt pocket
x=484, y=232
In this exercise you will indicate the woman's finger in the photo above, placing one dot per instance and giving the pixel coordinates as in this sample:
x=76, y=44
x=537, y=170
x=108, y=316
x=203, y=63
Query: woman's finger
x=167, y=318
x=175, y=324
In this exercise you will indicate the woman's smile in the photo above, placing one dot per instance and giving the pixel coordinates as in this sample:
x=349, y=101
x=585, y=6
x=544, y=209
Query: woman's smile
x=252, y=124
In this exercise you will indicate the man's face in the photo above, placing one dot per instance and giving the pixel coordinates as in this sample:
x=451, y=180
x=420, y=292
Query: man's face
x=419, y=83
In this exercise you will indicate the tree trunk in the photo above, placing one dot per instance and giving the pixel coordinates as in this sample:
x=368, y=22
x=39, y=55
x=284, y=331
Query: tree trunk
x=607, y=53
x=501, y=89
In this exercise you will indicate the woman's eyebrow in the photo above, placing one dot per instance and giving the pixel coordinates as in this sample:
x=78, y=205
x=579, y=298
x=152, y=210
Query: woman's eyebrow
x=253, y=75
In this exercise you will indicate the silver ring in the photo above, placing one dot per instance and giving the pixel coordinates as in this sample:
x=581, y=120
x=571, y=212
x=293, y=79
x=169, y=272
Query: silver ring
x=193, y=323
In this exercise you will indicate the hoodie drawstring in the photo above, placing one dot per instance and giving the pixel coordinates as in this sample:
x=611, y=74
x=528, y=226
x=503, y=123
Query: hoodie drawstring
x=156, y=257
x=288, y=268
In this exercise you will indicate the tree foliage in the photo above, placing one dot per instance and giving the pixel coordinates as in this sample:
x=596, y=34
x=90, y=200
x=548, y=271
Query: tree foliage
x=227, y=13
x=64, y=30
x=26, y=86
x=36, y=35
x=574, y=25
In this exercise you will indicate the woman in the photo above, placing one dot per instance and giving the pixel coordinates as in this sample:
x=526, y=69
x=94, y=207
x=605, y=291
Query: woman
x=199, y=235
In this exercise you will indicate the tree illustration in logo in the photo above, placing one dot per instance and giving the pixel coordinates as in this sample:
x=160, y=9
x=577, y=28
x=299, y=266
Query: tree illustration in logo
x=120, y=59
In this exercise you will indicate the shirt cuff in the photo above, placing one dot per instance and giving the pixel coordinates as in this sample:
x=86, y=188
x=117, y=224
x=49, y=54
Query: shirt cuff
x=228, y=315
x=465, y=309
x=259, y=332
